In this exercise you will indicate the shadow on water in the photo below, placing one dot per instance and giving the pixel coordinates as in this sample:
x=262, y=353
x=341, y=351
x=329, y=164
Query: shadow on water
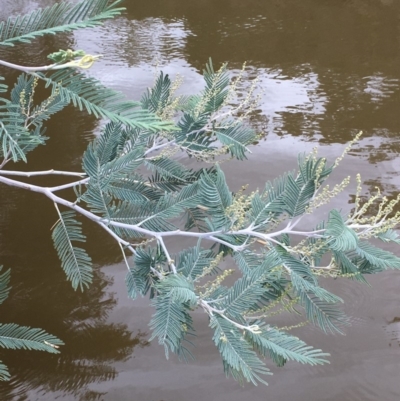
x=93, y=345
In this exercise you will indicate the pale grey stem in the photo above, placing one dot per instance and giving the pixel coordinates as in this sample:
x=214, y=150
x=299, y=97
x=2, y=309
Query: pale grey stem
x=49, y=67
x=123, y=254
x=45, y=172
x=10, y=136
x=169, y=259
x=267, y=237
x=158, y=147
x=69, y=185
x=119, y=239
x=365, y=226
x=157, y=273
x=159, y=235
x=210, y=310
x=6, y=160
x=236, y=248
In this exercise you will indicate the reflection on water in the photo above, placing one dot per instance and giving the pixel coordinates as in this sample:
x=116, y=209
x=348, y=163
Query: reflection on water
x=327, y=69
x=93, y=345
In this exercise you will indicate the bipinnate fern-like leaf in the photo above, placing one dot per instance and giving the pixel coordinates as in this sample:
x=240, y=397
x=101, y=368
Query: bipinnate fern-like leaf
x=236, y=138
x=90, y=95
x=321, y=306
x=141, y=215
x=251, y=289
x=108, y=175
x=348, y=264
x=4, y=373
x=4, y=284
x=295, y=267
x=61, y=17
x=21, y=120
x=155, y=215
x=117, y=140
x=246, y=261
x=217, y=83
x=133, y=190
x=216, y=197
x=95, y=195
x=342, y=238
x=272, y=342
x=244, y=293
x=264, y=210
x=107, y=143
x=13, y=336
x=75, y=262
x=130, y=285
x=262, y=276
x=191, y=262
x=15, y=139
x=156, y=99
x=329, y=317
x=239, y=359
x=21, y=124
x=199, y=108
x=270, y=203
x=377, y=257
x=171, y=205
x=172, y=321
x=169, y=173
x=22, y=100
x=389, y=236
x=3, y=87
x=195, y=133
x=298, y=195
x=299, y=190
x=303, y=279
x=139, y=278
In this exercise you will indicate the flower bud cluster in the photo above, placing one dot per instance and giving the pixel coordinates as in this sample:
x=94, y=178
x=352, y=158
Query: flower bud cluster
x=237, y=212
x=212, y=285
x=211, y=268
x=326, y=194
x=295, y=326
x=347, y=149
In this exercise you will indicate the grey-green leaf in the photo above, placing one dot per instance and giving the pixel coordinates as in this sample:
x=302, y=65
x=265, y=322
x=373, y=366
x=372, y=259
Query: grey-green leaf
x=75, y=261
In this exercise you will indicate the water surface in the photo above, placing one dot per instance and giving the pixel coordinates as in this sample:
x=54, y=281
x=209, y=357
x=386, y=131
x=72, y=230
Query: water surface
x=327, y=70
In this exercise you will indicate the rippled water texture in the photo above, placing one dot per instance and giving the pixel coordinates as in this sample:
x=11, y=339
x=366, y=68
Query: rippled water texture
x=327, y=69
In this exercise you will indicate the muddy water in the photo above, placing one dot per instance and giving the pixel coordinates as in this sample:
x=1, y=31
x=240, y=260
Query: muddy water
x=327, y=69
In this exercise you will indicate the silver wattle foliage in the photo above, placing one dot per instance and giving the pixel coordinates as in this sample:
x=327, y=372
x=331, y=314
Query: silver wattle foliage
x=132, y=187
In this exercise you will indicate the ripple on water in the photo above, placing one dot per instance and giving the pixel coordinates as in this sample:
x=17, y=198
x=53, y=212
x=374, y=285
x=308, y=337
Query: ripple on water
x=355, y=296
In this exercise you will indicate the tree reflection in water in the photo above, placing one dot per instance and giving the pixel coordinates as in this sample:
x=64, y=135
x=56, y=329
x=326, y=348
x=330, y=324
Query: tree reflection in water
x=92, y=347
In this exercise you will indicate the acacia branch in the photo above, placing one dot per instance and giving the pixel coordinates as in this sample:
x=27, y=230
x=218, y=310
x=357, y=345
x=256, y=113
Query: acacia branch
x=105, y=223
x=45, y=172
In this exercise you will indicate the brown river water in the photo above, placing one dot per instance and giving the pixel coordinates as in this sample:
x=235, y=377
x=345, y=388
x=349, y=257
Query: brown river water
x=327, y=69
